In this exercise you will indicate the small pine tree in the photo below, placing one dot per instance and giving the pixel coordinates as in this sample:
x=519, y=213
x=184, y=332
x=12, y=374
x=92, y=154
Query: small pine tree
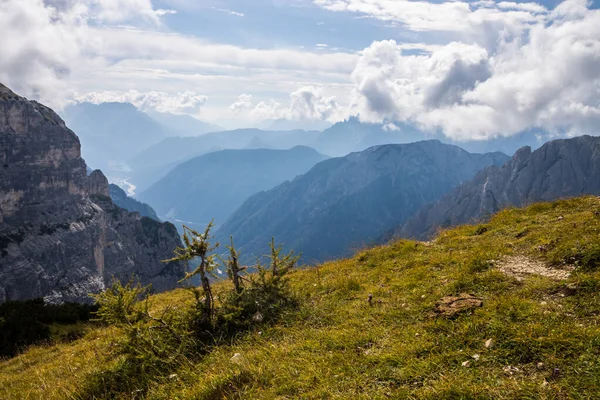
x=271, y=283
x=120, y=305
x=198, y=246
x=234, y=271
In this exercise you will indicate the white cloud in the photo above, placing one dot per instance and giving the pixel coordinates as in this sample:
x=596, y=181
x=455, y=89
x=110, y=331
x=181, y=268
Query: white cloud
x=119, y=11
x=109, y=11
x=391, y=127
x=38, y=46
x=52, y=50
x=264, y=111
x=306, y=104
x=453, y=16
x=548, y=78
x=244, y=101
x=181, y=103
x=228, y=11
x=152, y=45
x=309, y=103
x=529, y=7
x=42, y=42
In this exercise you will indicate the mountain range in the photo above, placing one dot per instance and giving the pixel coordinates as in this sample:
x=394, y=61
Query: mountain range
x=152, y=164
x=112, y=133
x=137, y=149
x=65, y=222
x=345, y=203
x=560, y=168
x=181, y=124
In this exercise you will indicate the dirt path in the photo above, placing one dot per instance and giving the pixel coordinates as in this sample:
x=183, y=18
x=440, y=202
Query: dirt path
x=520, y=267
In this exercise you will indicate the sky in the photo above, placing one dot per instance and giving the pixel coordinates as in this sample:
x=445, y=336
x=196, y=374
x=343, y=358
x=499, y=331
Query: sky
x=469, y=70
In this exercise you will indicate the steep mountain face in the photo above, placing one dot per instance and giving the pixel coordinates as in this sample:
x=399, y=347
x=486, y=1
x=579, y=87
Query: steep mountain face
x=216, y=184
x=120, y=198
x=112, y=133
x=61, y=237
x=344, y=203
x=561, y=168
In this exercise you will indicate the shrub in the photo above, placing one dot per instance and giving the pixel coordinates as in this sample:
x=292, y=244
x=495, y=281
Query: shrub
x=198, y=247
x=154, y=345
x=265, y=295
x=24, y=323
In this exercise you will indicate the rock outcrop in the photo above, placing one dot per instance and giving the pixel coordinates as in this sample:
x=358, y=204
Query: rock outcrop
x=61, y=236
x=559, y=169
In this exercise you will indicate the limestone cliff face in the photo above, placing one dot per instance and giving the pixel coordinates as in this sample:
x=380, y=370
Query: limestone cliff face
x=559, y=169
x=61, y=237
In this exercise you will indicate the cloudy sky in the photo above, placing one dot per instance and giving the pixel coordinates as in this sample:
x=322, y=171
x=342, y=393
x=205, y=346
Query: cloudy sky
x=468, y=69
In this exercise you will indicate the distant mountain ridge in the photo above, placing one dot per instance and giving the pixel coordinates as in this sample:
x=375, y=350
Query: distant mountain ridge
x=182, y=125
x=344, y=203
x=212, y=186
x=111, y=133
x=560, y=168
x=152, y=164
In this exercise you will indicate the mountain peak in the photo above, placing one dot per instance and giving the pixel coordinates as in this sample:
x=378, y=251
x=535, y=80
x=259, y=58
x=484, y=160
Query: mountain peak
x=561, y=168
x=58, y=221
x=5, y=90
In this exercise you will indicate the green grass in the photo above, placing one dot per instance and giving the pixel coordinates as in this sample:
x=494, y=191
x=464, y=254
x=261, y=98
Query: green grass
x=337, y=346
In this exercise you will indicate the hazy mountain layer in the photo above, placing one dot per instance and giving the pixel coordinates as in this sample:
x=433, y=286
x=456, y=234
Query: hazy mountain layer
x=111, y=133
x=182, y=125
x=212, y=186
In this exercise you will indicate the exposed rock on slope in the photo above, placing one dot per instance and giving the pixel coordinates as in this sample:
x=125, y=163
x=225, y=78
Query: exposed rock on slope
x=61, y=236
x=120, y=198
x=214, y=185
x=344, y=203
x=561, y=168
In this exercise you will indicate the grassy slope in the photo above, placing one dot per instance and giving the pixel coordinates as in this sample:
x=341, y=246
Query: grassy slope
x=337, y=346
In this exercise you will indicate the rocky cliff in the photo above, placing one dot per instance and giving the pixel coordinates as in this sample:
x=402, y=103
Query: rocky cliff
x=61, y=237
x=561, y=168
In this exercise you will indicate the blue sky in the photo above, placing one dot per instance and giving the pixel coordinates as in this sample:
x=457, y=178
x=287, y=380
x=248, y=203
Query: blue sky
x=468, y=69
